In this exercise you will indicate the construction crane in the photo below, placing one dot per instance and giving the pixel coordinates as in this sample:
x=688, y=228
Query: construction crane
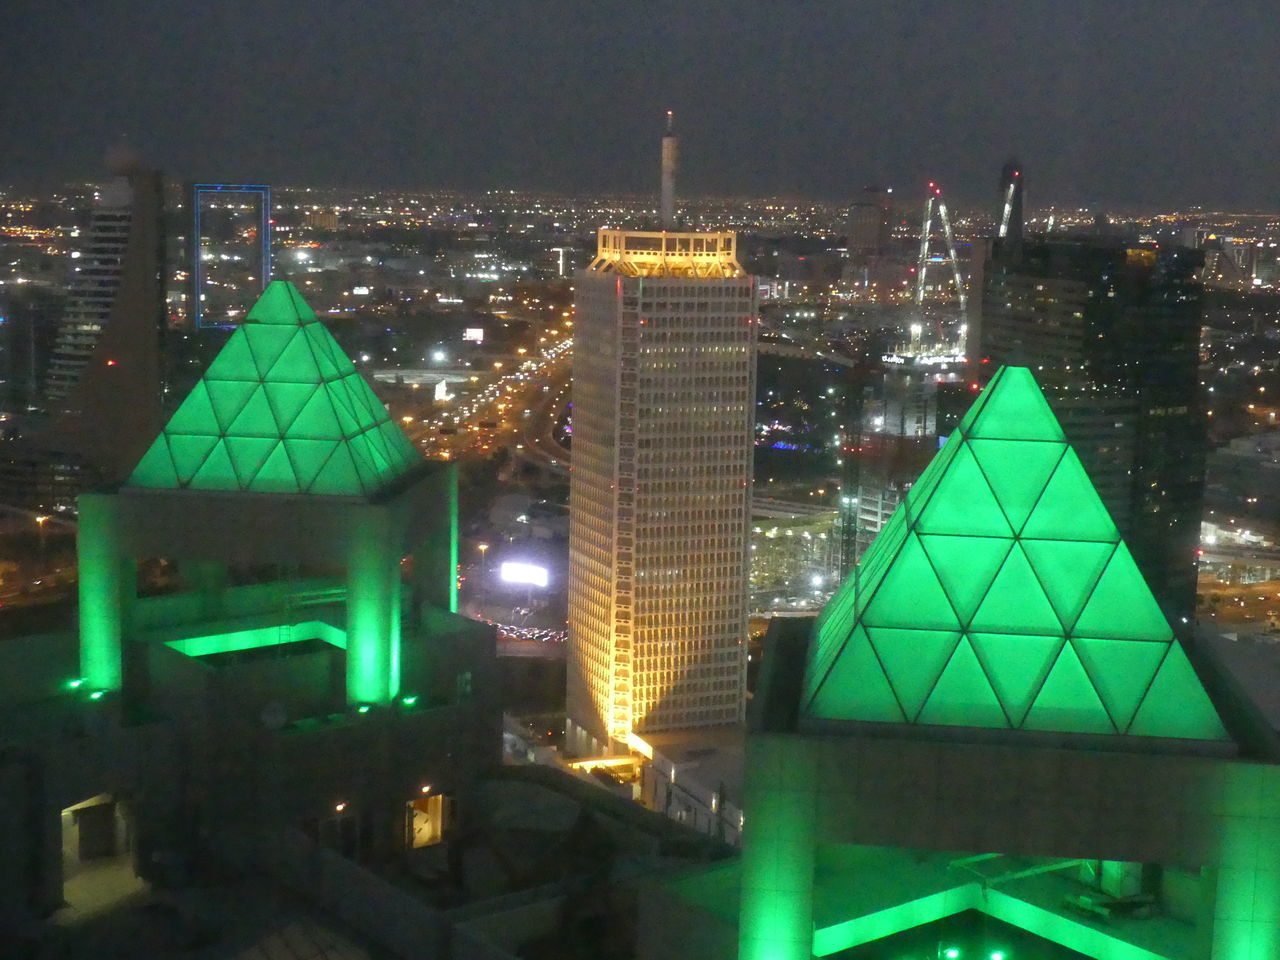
x=922, y=264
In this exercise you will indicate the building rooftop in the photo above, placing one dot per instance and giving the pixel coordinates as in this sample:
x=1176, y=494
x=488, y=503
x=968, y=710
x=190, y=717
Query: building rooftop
x=636, y=253
x=281, y=409
x=1000, y=594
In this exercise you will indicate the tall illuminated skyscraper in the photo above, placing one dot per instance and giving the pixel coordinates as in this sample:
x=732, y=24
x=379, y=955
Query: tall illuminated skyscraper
x=102, y=386
x=99, y=266
x=659, y=497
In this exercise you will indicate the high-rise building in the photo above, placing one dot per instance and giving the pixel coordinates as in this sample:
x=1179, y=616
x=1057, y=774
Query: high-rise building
x=664, y=374
x=102, y=389
x=96, y=271
x=868, y=223
x=1112, y=332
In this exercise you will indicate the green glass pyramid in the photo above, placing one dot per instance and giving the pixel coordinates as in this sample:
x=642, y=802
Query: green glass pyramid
x=280, y=410
x=1000, y=594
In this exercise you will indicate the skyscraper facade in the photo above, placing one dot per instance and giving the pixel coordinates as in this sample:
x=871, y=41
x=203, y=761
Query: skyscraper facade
x=1112, y=331
x=664, y=382
x=868, y=223
x=101, y=400
x=96, y=271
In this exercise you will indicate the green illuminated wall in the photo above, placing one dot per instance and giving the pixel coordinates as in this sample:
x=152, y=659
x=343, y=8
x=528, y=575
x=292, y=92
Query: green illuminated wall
x=1000, y=594
x=280, y=410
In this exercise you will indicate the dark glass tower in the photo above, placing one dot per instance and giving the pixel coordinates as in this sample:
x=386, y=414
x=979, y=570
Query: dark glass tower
x=1112, y=332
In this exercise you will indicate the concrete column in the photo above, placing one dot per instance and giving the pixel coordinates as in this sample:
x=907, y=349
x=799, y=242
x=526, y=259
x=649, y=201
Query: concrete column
x=373, y=575
x=435, y=561
x=1246, y=909
x=779, y=848
x=208, y=579
x=106, y=591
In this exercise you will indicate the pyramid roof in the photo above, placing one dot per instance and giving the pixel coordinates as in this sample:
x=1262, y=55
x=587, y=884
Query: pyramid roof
x=281, y=409
x=1000, y=594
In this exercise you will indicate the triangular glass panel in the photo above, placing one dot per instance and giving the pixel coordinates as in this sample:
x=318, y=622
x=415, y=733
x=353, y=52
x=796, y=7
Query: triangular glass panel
x=1176, y=704
x=401, y=447
x=1068, y=702
x=189, y=452
x=913, y=661
x=234, y=361
x=975, y=410
x=1070, y=508
x=966, y=566
x=338, y=476
x=1016, y=665
x=308, y=457
x=1068, y=570
x=333, y=360
x=255, y=418
x=195, y=414
x=287, y=401
x=276, y=474
x=1017, y=472
x=217, y=471
x=247, y=455
x=1121, y=604
x=1015, y=410
x=1016, y=602
x=363, y=396
x=856, y=687
x=347, y=421
x=360, y=456
x=316, y=421
x=281, y=303
x=962, y=696
x=296, y=363
x=909, y=594
x=359, y=400
x=266, y=343
x=963, y=502
x=1121, y=671
x=155, y=469
x=228, y=398
x=918, y=496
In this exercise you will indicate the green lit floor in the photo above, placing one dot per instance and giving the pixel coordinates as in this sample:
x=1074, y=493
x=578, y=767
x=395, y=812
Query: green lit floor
x=865, y=893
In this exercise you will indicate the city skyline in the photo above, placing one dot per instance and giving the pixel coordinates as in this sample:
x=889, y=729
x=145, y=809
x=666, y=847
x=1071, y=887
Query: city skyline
x=1150, y=108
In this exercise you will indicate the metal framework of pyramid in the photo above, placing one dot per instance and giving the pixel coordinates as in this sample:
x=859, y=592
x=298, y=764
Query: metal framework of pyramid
x=281, y=409
x=1000, y=594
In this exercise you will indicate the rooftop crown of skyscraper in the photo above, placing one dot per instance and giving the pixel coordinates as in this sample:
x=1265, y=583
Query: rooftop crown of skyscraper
x=282, y=409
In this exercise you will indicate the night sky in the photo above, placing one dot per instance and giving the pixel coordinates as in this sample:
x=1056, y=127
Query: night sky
x=1121, y=103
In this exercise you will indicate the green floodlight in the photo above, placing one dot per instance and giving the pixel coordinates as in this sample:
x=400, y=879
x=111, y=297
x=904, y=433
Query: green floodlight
x=97, y=695
x=410, y=700
x=75, y=684
x=997, y=955
x=363, y=708
x=951, y=953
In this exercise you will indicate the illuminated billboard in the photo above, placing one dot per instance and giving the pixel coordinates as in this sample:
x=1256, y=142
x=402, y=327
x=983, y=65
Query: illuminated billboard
x=525, y=573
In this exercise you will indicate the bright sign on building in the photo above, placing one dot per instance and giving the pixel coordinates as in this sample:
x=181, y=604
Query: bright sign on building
x=528, y=573
x=473, y=334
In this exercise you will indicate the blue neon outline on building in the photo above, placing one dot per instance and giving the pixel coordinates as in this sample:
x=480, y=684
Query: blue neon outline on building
x=198, y=190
